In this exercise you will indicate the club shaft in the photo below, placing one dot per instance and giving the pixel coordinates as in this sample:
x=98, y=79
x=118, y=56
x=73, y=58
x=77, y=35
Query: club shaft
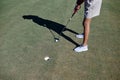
x=67, y=23
x=52, y=33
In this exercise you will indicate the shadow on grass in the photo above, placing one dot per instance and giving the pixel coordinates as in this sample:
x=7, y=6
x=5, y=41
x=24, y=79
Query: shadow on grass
x=51, y=25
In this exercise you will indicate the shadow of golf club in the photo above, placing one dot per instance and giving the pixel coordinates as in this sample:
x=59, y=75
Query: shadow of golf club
x=51, y=25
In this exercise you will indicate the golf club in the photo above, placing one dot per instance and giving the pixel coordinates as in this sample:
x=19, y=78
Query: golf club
x=57, y=39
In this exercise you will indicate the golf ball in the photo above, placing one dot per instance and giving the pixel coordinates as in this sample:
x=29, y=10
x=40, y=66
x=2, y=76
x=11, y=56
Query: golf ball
x=56, y=40
x=46, y=58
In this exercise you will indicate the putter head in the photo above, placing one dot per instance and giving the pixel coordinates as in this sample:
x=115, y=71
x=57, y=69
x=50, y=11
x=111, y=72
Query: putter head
x=56, y=39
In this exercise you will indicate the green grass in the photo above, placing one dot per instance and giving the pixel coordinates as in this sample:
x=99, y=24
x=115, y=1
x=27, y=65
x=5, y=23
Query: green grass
x=24, y=44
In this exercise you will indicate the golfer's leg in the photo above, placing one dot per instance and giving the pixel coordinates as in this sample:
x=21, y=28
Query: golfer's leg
x=84, y=46
x=86, y=25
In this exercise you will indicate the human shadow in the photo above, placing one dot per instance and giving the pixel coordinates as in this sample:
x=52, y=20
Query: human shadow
x=51, y=25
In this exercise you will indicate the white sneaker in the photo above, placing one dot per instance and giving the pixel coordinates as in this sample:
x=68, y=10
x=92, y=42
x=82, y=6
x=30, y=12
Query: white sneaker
x=80, y=35
x=81, y=48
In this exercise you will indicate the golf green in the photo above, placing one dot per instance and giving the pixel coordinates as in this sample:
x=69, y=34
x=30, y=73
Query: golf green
x=27, y=32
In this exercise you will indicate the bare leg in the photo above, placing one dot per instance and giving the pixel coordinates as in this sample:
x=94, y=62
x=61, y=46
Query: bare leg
x=86, y=25
x=84, y=46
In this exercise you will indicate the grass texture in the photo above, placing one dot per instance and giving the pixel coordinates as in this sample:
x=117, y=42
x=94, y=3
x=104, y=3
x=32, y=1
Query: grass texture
x=25, y=42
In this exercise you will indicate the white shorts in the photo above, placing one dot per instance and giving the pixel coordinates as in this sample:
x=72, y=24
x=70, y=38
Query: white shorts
x=92, y=8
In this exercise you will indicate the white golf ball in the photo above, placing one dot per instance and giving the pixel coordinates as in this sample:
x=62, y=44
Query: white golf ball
x=46, y=58
x=56, y=40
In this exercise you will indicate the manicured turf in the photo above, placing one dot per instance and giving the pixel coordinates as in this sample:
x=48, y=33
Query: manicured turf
x=25, y=42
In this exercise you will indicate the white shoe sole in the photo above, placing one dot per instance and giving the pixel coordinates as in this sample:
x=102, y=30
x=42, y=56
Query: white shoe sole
x=81, y=49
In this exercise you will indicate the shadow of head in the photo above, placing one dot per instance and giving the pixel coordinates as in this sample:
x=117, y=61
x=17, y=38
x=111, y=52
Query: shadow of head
x=30, y=17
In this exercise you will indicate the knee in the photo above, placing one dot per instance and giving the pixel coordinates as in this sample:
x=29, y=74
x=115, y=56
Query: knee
x=86, y=22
